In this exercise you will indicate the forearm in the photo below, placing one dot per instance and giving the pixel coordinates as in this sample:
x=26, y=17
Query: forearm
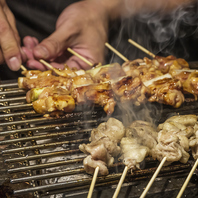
x=125, y=8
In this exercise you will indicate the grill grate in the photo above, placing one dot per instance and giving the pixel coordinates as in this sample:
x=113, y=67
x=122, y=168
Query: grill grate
x=41, y=154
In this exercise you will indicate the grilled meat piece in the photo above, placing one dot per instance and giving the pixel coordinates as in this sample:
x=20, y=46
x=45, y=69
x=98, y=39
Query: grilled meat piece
x=144, y=132
x=38, y=93
x=132, y=152
x=170, y=63
x=81, y=80
x=129, y=89
x=145, y=72
x=90, y=164
x=167, y=91
x=169, y=146
x=45, y=79
x=31, y=73
x=100, y=94
x=53, y=103
x=186, y=120
x=106, y=73
x=111, y=147
x=113, y=128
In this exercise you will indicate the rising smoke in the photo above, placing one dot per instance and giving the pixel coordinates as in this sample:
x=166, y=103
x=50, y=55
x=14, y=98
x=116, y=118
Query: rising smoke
x=174, y=33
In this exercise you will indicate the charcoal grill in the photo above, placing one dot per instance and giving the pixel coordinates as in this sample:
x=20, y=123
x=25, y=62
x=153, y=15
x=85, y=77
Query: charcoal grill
x=40, y=155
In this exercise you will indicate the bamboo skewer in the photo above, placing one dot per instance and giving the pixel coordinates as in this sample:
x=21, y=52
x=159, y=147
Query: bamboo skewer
x=153, y=178
x=23, y=68
x=120, y=182
x=116, y=52
x=93, y=182
x=187, y=179
x=141, y=48
x=79, y=56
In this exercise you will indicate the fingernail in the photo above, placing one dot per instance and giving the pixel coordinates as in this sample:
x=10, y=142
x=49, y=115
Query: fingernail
x=41, y=51
x=14, y=63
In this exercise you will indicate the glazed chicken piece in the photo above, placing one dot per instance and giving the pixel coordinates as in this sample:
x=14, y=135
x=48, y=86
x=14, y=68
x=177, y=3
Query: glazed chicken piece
x=31, y=73
x=129, y=89
x=39, y=93
x=169, y=63
x=144, y=132
x=81, y=80
x=167, y=91
x=44, y=79
x=113, y=128
x=100, y=94
x=106, y=73
x=132, y=152
x=145, y=71
x=55, y=102
x=191, y=84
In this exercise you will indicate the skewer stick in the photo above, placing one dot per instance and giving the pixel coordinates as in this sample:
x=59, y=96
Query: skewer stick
x=79, y=56
x=120, y=182
x=141, y=48
x=23, y=68
x=93, y=182
x=57, y=71
x=153, y=178
x=187, y=179
x=46, y=64
x=116, y=52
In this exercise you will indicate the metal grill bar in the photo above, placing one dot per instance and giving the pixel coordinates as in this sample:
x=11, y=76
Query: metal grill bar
x=39, y=137
x=42, y=156
x=43, y=146
x=43, y=166
x=48, y=127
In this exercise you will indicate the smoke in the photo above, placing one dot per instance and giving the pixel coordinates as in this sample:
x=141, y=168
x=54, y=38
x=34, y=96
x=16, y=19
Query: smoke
x=175, y=33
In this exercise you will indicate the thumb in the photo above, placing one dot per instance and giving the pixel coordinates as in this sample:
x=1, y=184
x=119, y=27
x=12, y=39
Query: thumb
x=55, y=44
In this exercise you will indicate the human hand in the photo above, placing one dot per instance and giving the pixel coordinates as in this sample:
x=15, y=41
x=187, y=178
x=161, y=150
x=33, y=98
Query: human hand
x=82, y=27
x=9, y=39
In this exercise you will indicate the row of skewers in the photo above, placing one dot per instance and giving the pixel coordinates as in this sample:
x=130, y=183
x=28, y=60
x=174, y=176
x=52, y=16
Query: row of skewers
x=164, y=80
x=171, y=141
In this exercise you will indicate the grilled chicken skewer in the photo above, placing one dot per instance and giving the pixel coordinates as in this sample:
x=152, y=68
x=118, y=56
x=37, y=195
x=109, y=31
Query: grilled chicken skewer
x=138, y=143
x=173, y=143
x=102, y=149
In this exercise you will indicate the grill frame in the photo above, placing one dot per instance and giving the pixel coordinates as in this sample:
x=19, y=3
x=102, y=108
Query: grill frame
x=19, y=121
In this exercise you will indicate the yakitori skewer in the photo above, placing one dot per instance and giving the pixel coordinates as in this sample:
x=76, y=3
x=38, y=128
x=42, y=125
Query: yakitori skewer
x=153, y=178
x=187, y=179
x=79, y=56
x=141, y=48
x=116, y=52
x=93, y=182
